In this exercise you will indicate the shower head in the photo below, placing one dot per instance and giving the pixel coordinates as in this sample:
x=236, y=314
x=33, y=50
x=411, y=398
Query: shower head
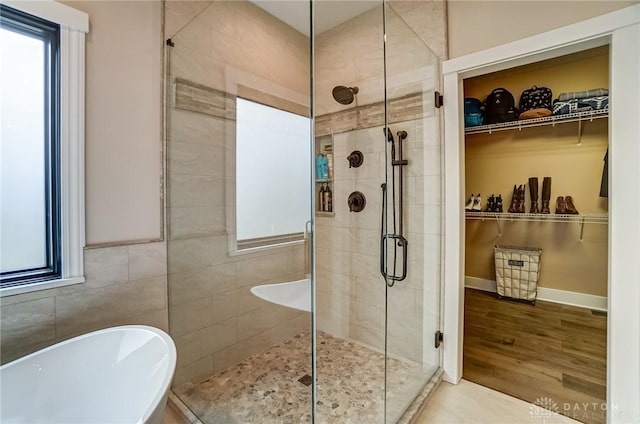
x=402, y=135
x=344, y=95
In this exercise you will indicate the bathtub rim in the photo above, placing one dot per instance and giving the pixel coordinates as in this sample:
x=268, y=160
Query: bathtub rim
x=166, y=382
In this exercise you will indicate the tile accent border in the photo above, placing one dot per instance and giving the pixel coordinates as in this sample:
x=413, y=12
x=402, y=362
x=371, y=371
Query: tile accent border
x=406, y=108
x=194, y=97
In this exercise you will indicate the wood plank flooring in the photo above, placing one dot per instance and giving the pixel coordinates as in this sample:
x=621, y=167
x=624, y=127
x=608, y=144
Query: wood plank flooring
x=547, y=353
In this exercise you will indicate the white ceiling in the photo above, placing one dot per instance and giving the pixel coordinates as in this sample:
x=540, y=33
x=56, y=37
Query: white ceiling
x=327, y=13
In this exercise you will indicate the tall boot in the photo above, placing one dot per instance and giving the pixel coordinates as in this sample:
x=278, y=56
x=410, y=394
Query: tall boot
x=533, y=192
x=546, y=195
x=521, y=208
x=513, y=208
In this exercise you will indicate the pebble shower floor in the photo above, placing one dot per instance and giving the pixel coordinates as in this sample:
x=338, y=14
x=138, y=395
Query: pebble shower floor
x=265, y=387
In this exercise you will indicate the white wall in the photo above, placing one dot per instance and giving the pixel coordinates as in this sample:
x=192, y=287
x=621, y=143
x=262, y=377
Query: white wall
x=479, y=24
x=123, y=120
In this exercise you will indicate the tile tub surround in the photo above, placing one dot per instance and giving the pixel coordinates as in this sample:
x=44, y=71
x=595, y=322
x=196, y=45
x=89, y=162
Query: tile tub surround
x=124, y=285
x=265, y=387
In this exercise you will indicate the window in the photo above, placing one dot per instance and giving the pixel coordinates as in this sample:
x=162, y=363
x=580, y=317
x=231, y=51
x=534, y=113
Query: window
x=41, y=145
x=29, y=149
x=273, y=175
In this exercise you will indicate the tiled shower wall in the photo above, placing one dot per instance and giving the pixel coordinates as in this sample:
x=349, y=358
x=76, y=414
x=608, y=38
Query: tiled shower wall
x=351, y=292
x=229, y=49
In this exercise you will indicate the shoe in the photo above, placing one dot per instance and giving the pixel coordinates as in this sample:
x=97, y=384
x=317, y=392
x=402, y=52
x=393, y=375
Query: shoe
x=570, y=208
x=533, y=193
x=520, y=207
x=514, y=200
x=498, y=204
x=546, y=195
x=491, y=204
x=469, y=205
x=477, y=204
x=561, y=206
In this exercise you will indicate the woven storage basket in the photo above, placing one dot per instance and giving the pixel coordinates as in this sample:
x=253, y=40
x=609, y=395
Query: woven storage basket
x=517, y=271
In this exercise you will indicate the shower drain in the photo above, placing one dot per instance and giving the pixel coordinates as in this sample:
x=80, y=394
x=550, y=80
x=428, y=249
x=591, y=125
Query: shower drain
x=306, y=380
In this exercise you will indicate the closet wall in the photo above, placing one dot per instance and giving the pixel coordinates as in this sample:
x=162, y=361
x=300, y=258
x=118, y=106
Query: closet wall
x=495, y=162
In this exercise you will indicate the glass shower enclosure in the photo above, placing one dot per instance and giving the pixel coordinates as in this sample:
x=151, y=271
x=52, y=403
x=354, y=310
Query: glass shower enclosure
x=303, y=217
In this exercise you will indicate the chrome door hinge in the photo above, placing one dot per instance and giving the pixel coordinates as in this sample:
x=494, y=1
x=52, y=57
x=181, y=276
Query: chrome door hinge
x=439, y=99
x=439, y=337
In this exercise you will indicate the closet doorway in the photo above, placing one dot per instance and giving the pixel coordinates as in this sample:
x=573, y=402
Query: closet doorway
x=617, y=32
x=535, y=322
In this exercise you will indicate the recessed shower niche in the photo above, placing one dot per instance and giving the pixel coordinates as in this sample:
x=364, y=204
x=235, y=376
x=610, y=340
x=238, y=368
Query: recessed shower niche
x=367, y=343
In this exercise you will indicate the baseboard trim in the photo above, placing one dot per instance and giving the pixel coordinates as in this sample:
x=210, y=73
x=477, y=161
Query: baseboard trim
x=564, y=297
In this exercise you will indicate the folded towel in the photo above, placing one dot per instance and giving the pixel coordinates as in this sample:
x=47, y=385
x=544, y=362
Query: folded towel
x=580, y=105
x=594, y=92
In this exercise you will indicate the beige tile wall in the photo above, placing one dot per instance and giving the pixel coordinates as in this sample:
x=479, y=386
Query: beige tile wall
x=351, y=292
x=351, y=54
x=214, y=319
x=124, y=285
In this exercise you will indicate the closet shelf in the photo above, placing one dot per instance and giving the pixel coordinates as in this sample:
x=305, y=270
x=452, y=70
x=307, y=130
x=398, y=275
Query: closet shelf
x=583, y=218
x=538, y=122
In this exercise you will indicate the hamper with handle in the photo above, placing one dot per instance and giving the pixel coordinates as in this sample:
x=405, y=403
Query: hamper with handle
x=517, y=271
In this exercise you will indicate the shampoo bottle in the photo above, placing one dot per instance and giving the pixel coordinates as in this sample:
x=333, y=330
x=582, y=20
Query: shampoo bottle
x=319, y=161
x=324, y=168
x=320, y=206
x=330, y=165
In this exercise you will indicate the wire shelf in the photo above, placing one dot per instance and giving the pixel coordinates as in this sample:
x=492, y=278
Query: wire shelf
x=586, y=218
x=538, y=122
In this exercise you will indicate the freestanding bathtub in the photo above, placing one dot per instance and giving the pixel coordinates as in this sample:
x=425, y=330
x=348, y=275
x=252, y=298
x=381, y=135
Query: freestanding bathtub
x=116, y=375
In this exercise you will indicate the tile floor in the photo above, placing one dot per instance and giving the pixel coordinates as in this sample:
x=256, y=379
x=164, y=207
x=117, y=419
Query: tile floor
x=265, y=387
x=468, y=402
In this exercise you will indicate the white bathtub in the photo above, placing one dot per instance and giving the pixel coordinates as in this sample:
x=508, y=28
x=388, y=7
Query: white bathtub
x=117, y=375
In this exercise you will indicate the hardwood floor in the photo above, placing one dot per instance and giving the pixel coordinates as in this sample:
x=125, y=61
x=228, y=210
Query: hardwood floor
x=548, y=354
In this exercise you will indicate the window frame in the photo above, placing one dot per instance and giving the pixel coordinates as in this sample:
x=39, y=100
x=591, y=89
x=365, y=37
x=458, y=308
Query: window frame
x=74, y=24
x=243, y=246
x=48, y=32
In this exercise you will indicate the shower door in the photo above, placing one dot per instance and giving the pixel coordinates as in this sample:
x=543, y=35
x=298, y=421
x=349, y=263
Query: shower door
x=410, y=245
x=377, y=252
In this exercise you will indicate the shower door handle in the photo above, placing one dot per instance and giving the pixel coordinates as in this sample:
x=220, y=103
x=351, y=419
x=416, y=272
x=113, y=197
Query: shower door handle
x=398, y=241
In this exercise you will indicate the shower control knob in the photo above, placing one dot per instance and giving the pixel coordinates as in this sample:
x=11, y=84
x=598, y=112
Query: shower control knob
x=355, y=159
x=356, y=201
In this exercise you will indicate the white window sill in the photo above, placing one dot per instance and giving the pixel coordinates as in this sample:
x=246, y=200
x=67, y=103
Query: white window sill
x=44, y=285
x=237, y=252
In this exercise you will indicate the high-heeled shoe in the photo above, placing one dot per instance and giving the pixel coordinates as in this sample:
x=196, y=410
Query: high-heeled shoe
x=477, y=204
x=469, y=205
